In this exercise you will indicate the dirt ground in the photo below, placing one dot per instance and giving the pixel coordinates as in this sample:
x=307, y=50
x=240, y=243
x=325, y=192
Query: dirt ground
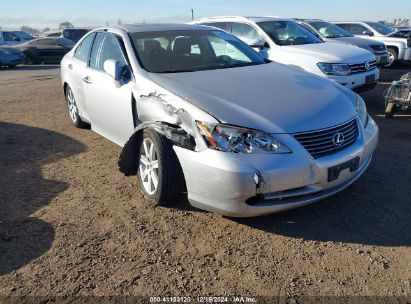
x=72, y=224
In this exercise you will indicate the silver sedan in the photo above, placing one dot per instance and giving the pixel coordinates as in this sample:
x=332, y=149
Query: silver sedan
x=197, y=110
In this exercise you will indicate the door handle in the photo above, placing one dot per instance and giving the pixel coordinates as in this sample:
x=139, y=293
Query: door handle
x=70, y=66
x=88, y=80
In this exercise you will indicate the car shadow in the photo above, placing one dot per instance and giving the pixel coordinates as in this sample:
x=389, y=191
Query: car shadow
x=40, y=67
x=24, y=190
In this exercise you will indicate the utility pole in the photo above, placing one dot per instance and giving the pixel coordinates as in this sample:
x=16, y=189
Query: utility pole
x=192, y=14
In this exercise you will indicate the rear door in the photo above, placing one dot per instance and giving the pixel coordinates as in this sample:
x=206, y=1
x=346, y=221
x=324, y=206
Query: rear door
x=75, y=68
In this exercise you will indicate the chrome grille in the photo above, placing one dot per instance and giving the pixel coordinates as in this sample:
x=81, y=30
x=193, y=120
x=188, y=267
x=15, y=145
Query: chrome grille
x=361, y=67
x=321, y=143
x=378, y=47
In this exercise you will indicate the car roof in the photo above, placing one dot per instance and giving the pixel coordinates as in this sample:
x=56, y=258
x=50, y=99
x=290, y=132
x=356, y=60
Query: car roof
x=241, y=18
x=157, y=27
x=310, y=20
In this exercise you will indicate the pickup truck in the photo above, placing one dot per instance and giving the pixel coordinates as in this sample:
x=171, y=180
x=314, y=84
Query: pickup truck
x=399, y=48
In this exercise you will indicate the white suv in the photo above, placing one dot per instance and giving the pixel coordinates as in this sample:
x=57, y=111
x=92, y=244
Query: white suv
x=287, y=42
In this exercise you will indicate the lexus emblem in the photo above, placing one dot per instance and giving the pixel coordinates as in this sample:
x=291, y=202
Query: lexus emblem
x=338, y=139
x=367, y=66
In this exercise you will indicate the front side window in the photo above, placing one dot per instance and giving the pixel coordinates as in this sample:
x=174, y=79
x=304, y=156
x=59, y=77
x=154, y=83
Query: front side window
x=381, y=28
x=329, y=30
x=105, y=47
x=246, y=33
x=9, y=36
x=288, y=33
x=83, y=50
x=190, y=51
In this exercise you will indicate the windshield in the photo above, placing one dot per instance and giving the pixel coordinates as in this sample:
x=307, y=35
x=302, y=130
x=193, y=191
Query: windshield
x=190, y=51
x=381, y=28
x=329, y=30
x=288, y=33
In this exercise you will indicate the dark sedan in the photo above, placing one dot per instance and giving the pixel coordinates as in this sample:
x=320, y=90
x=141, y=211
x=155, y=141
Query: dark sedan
x=45, y=50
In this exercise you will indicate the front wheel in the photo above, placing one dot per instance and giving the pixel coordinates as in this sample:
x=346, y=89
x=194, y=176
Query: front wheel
x=159, y=172
x=73, y=110
x=393, y=57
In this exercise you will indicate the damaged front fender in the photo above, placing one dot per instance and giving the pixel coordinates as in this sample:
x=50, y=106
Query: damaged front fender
x=154, y=112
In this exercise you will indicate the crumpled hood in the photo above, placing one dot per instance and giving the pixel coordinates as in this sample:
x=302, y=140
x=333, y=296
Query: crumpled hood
x=332, y=52
x=269, y=97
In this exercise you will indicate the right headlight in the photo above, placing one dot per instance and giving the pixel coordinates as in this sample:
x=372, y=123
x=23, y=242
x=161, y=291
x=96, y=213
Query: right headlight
x=335, y=69
x=362, y=110
x=228, y=138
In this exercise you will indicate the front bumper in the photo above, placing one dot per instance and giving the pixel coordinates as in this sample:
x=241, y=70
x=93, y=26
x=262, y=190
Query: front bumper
x=241, y=185
x=357, y=81
x=12, y=59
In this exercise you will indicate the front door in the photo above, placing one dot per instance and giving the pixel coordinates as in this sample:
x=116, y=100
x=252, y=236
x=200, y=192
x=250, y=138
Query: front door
x=109, y=101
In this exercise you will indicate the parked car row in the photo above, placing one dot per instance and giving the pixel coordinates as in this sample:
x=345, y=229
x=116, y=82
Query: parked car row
x=73, y=34
x=288, y=42
x=196, y=109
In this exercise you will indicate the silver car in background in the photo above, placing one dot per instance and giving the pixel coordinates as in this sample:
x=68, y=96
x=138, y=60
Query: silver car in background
x=196, y=109
x=330, y=32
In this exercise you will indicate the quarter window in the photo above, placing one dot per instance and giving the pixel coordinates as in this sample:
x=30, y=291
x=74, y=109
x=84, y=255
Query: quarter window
x=83, y=50
x=106, y=47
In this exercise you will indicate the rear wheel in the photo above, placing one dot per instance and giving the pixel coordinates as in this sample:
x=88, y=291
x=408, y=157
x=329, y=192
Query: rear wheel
x=159, y=172
x=73, y=110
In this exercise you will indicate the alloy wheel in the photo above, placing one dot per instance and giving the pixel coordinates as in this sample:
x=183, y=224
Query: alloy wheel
x=71, y=102
x=148, y=166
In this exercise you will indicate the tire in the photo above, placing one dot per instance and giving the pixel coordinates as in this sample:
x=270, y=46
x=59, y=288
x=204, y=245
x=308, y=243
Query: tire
x=393, y=57
x=73, y=110
x=157, y=161
x=29, y=59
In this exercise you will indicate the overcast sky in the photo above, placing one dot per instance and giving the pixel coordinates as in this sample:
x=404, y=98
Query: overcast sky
x=49, y=13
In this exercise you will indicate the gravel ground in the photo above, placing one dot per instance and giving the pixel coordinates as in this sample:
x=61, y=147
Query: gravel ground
x=72, y=224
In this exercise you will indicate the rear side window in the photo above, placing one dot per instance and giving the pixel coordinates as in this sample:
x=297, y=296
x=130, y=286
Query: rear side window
x=357, y=29
x=225, y=26
x=246, y=33
x=83, y=50
x=106, y=47
x=345, y=27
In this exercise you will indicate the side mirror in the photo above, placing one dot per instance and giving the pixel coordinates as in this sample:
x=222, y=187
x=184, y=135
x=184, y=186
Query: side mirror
x=260, y=45
x=113, y=68
x=368, y=33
